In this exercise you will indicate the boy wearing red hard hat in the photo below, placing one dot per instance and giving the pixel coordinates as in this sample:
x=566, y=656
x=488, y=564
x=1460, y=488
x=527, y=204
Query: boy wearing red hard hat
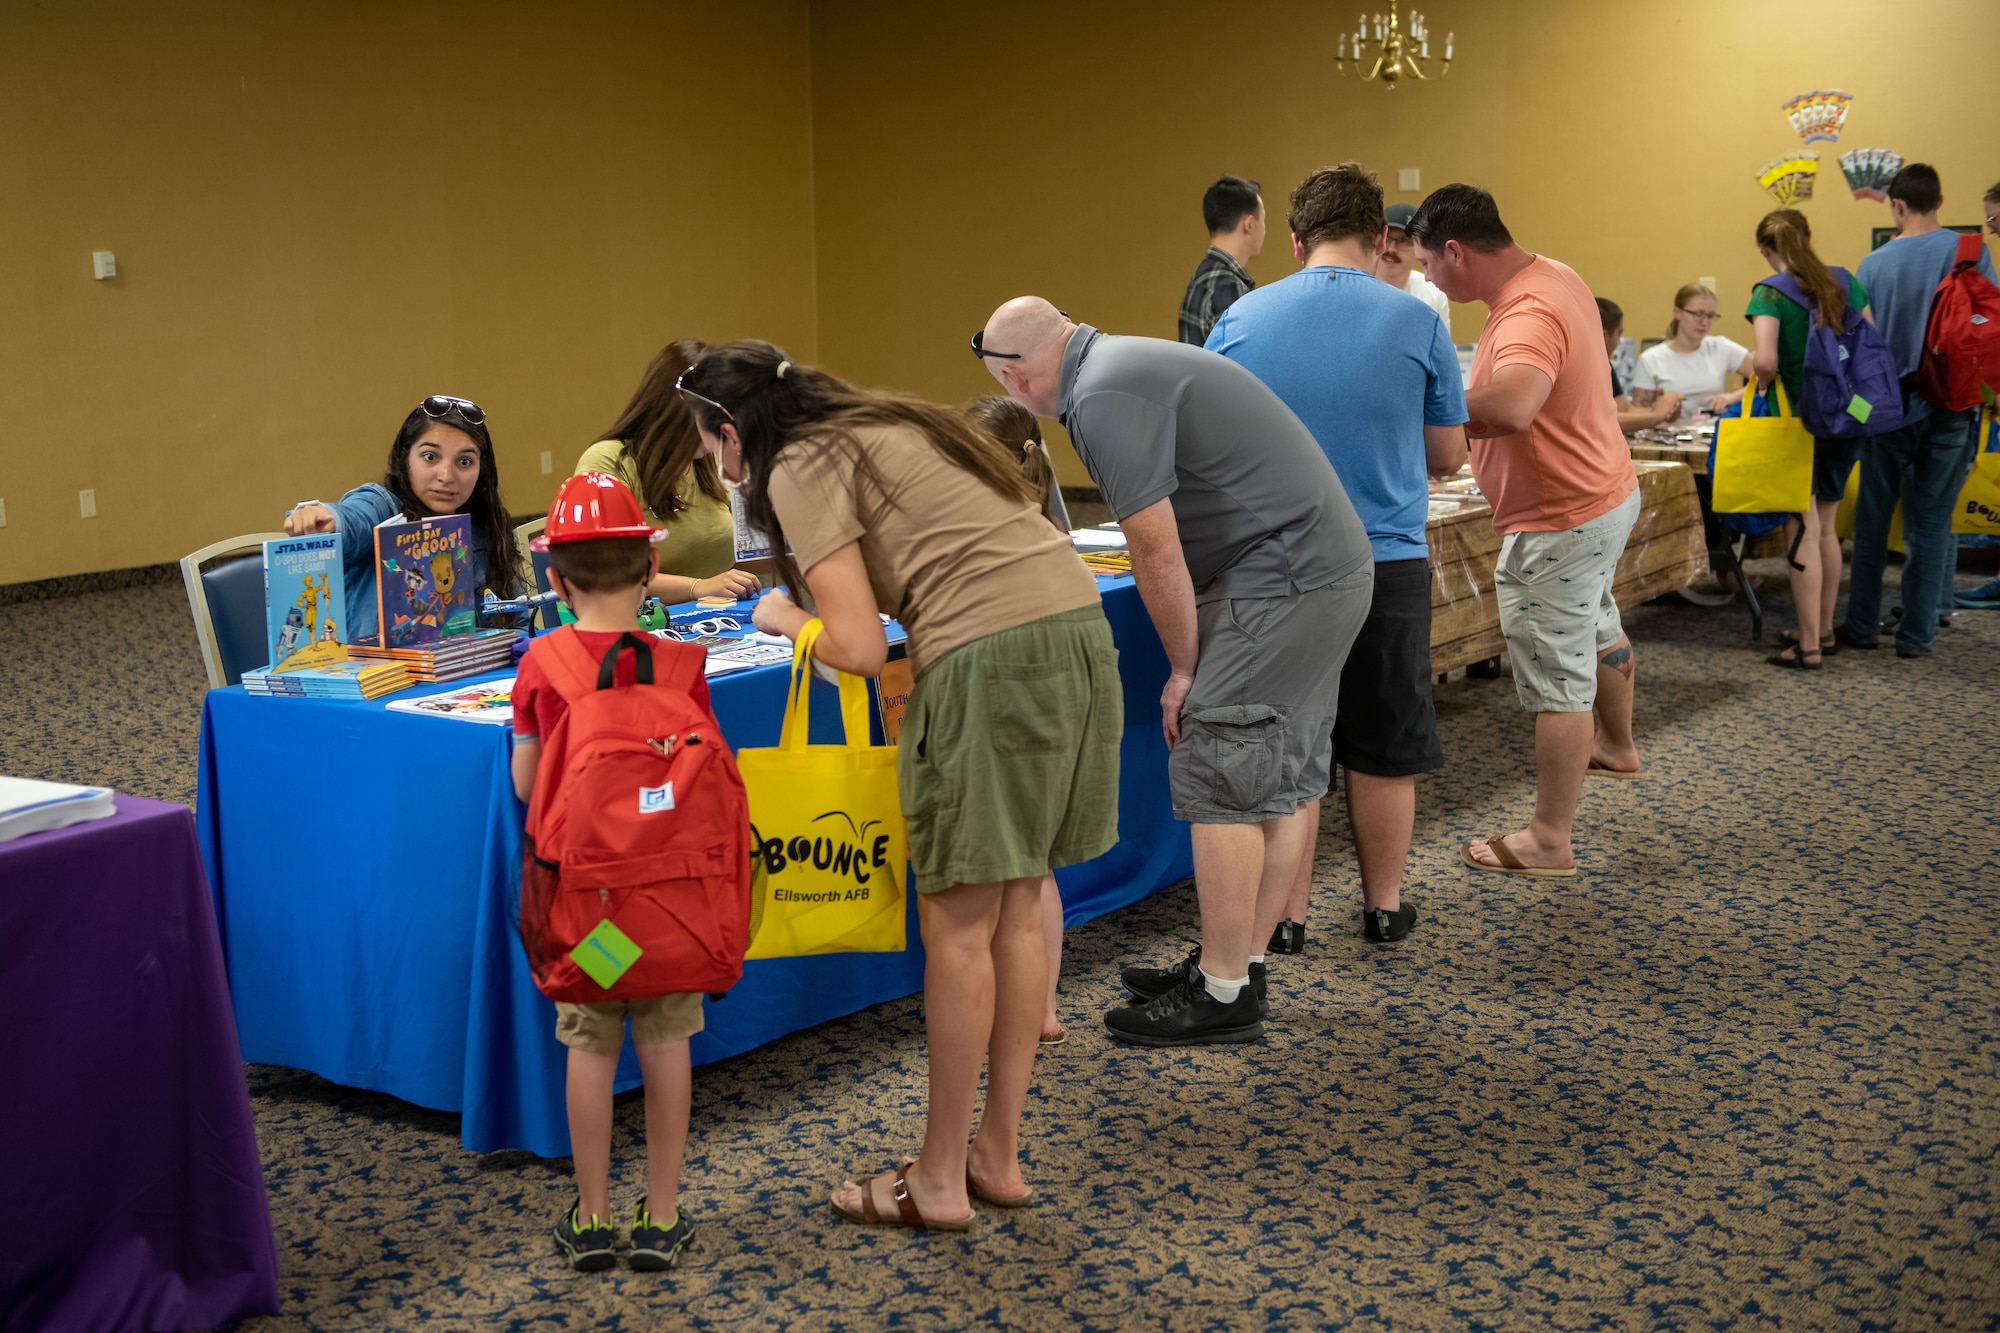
x=602, y=554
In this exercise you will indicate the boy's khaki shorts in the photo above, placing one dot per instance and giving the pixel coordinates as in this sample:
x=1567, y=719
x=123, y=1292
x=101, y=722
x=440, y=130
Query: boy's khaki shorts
x=600, y=1028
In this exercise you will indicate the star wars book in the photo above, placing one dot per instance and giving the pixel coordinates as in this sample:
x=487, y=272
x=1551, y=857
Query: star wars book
x=423, y=580
x=305, y=601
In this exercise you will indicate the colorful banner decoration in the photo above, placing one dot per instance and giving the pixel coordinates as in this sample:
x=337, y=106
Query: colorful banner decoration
x=1868, y=170
x=1818, y=115
x=1790, y=179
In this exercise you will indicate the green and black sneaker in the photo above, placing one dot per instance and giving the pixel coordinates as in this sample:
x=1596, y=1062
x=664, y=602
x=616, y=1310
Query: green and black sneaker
x=588, y=1247
x=656, y=1248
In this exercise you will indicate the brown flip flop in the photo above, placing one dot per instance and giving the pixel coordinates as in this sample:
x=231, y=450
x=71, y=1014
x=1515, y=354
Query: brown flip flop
x=1056, y=1038
x=1510, y=864
x=1597, y=770
x=906, y=1214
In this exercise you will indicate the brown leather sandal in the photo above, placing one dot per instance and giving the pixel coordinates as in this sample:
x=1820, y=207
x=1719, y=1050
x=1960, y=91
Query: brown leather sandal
x=1511, y=864
x=906, y=1214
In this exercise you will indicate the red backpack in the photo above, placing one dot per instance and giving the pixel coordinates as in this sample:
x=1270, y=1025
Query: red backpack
x=1960, y=366
x=638, y=818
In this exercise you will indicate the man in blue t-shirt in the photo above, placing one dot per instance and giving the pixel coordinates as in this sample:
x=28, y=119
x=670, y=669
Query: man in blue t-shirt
x=1372, y=373
x=1925, y=461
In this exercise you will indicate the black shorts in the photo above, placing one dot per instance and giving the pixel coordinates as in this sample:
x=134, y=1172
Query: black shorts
x=1833, y=460
x=1386, y=726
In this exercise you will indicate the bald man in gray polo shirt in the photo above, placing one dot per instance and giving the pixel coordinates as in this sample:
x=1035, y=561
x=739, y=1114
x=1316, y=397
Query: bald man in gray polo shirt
x=1257, y=574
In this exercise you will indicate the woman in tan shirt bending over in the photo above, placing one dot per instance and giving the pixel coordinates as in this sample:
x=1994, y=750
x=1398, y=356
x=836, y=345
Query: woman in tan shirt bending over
x=1008, y=756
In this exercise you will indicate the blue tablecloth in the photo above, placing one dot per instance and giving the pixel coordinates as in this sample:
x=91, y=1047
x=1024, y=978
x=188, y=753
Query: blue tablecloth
x=364, y=866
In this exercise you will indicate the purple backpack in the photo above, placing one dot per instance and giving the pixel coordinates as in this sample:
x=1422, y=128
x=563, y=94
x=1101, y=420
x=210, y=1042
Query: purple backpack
x=1849, y=387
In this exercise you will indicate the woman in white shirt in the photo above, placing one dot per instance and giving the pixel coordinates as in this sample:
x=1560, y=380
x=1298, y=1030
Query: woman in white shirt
x=1692, y=362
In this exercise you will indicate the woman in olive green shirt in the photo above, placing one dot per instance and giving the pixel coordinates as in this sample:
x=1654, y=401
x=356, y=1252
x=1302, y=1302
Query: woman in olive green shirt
x=654, y=449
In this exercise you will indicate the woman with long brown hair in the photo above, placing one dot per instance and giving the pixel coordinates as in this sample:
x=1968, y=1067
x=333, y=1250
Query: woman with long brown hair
x=655, y=450
x=1781, y=326
x=1008, y=756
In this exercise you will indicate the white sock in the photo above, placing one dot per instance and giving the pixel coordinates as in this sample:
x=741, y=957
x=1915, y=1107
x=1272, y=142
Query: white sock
x=1225, y=992
x=1256, y=958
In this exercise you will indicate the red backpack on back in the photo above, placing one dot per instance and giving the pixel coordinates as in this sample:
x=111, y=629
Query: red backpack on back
x=1960, y=366
x=638, y=817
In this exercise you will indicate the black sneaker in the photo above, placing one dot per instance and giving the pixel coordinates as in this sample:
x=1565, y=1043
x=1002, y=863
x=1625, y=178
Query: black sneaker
x=1289, y=937
x=655, y=1248
x=1905, y=650
x=588, y=1247
x=1150, y=983
x=1383, y=926
x=1847, y=638
x=1188, y=1015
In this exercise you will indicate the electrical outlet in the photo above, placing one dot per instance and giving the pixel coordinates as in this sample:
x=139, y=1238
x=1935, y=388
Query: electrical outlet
x=87, y=501
x=1409, y=179
x=548, y=462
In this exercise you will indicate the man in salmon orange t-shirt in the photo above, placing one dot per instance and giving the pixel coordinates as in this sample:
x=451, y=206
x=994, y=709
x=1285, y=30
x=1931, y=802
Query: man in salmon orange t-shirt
x=1548, y=454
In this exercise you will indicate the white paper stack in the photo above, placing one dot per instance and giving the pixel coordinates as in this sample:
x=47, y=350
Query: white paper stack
x=28, y=806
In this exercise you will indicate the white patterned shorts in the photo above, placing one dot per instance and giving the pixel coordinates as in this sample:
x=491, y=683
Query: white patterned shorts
x=1556, y=608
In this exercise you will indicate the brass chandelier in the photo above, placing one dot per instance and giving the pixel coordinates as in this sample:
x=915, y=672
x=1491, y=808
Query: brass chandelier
x=1397, y=53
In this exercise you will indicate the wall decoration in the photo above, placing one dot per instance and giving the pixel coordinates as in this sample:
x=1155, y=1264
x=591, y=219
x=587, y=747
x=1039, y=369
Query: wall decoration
x=1790, y=179
x=1818, y=115
x=1868, y=170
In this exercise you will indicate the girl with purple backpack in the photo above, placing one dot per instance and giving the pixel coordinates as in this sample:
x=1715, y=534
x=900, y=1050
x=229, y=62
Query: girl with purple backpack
x=1782, y=327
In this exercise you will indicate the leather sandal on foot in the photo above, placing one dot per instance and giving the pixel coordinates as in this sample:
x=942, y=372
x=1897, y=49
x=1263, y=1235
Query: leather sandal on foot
x=1511, y=864
x=1056, y=1038
x=906, y=1214
x=1597, y=770
x=984, y=1195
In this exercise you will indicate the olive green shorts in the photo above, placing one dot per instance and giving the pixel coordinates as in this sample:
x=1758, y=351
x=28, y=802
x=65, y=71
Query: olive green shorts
x=1008, y=758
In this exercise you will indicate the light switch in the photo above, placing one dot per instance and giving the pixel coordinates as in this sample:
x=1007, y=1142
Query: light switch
x=3, y=513
x=1708, y=283
x=103, y=264
x=1409, y=178
x=548, y=463
x=86, y=500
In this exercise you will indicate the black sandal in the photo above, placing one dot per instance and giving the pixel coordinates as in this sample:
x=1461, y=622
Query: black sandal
x=1828, y=646
x=1797, y=660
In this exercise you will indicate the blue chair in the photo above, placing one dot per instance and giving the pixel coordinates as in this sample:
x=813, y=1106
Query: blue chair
x=538, y=569
x=225, y=588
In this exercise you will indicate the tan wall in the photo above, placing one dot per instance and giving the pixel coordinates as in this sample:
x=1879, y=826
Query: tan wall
x=316, y=223
x=323, y=211
x=966, y=155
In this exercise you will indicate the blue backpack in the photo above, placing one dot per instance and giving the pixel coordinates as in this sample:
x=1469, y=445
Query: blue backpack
x=1849, y=387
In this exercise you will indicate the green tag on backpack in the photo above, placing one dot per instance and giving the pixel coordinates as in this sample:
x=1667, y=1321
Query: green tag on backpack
x=1861, y=409
x=605, y=954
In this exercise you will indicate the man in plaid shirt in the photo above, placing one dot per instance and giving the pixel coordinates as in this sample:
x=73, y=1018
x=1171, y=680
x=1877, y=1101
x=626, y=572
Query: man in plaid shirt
x=1234, y=212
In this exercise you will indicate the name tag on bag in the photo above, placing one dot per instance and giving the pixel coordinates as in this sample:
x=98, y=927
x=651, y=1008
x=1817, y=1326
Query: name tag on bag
x=605, y=954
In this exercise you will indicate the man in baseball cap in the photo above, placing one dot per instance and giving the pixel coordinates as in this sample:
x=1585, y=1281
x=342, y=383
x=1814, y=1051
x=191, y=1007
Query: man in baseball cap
x=1397, y=265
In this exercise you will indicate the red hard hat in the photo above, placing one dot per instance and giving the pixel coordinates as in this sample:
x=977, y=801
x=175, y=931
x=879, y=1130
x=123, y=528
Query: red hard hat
x=592, y=505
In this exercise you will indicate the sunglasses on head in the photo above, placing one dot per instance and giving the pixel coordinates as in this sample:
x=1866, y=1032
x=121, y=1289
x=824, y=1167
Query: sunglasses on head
x=442, y=407
x=694, y=397
x=979, y=345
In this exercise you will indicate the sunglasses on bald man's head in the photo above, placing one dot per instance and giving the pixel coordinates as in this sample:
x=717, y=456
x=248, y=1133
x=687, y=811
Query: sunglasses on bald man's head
x=979, y=345
x=694, y=397
x=442, y=407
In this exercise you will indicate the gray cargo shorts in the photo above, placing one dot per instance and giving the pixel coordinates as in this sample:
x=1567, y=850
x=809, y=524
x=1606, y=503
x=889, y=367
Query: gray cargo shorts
x=1257, y=728
x=1556, y=607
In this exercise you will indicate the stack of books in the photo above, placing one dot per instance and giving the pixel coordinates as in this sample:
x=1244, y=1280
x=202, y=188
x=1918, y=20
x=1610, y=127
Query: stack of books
x=452, y=657
x=352, y=679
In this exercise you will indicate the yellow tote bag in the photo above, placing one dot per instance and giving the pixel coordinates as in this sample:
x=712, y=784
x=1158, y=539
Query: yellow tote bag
x=1763, y=465
x=831, y=846
x=1979, y=499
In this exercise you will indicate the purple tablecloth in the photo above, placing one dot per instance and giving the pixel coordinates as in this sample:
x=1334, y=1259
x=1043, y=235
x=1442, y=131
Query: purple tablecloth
x=133, y=1193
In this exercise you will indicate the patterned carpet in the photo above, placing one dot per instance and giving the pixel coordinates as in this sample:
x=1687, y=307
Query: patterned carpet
x=1743, y=1073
